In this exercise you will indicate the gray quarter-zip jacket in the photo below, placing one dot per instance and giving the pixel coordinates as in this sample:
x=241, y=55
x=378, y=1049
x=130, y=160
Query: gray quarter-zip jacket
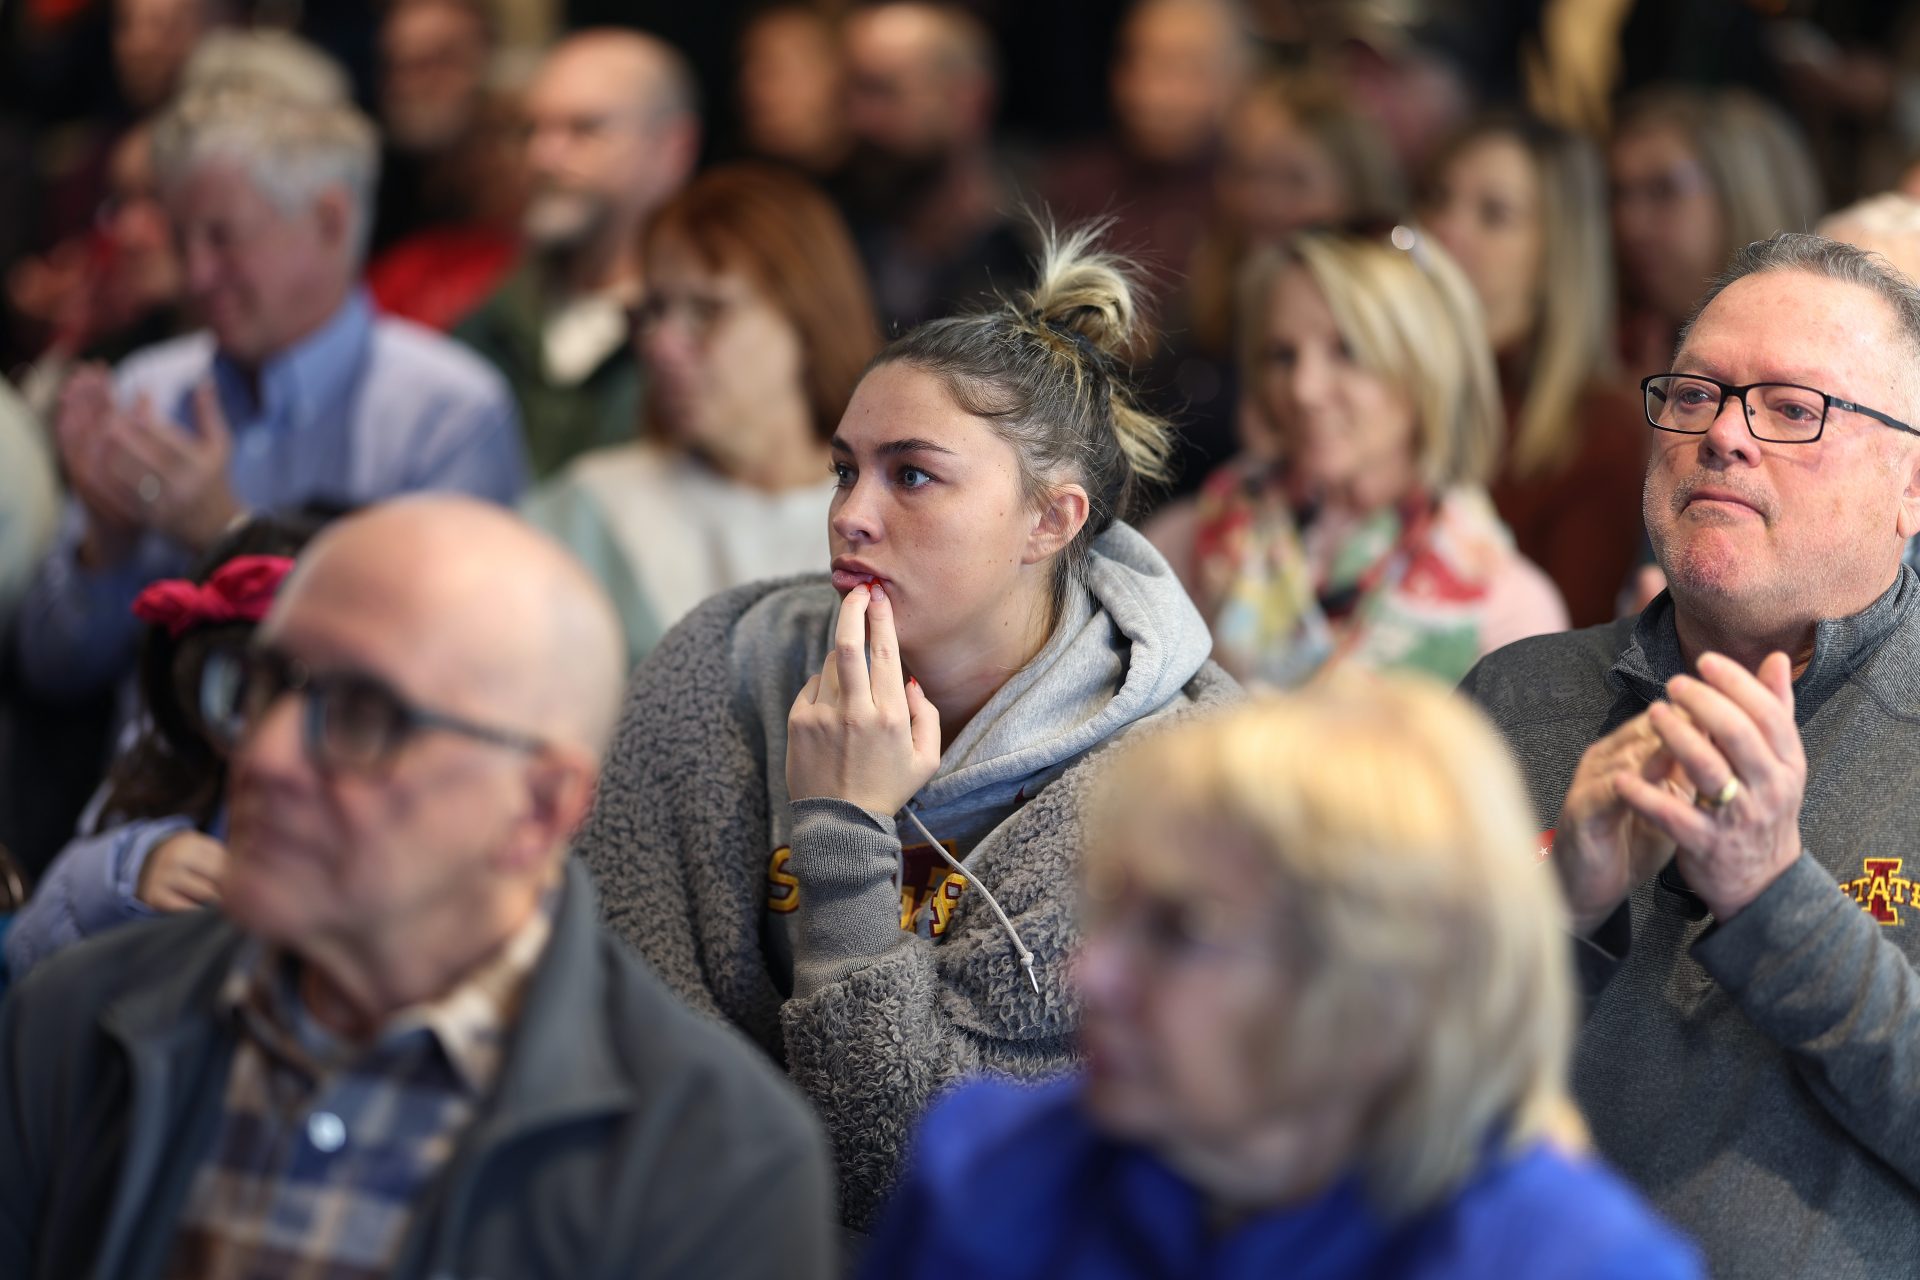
x=1759, y=1079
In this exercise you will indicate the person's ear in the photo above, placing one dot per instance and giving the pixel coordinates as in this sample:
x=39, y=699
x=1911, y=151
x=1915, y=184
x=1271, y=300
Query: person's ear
x=560, y=782
x=1058, y=524
x=1908, y=521
x=333, y=216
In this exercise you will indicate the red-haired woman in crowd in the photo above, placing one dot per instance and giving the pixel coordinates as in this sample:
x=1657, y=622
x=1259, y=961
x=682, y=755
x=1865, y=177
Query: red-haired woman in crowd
x=756, y=325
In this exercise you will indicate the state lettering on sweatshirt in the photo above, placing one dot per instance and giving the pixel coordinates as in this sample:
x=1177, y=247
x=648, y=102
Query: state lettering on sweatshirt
x=783, y=887
x=1882, y=891
x=929, y=888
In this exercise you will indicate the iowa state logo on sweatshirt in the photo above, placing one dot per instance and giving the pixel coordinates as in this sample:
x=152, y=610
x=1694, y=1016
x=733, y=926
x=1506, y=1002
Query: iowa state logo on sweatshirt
x=929, y=888
x=1882, y=891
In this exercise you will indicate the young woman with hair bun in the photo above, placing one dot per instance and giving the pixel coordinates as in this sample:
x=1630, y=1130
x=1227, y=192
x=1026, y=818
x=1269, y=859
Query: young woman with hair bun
x=843, y=813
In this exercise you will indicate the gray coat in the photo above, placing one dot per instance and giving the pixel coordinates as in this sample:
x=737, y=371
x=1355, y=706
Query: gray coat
x=878, y=1019
x=624, y=1138
x=1759, y=1079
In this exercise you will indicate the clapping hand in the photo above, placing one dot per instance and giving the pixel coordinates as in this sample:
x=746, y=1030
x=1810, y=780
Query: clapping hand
x=133, y=471
x=1602, y=845
x=1733, y=735
x=80, y=428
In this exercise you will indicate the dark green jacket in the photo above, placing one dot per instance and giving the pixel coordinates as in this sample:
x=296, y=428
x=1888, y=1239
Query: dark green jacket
x=560, y=422
x=626, y=1135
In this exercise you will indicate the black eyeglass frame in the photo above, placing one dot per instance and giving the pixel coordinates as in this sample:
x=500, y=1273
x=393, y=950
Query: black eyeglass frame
x=1829, y=401
x=299, y=678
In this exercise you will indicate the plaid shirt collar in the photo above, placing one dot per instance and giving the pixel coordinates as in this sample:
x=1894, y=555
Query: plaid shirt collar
x=469, y=1023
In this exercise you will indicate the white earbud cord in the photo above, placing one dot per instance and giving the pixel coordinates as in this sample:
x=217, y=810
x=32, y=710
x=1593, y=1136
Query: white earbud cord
x=1019, y=947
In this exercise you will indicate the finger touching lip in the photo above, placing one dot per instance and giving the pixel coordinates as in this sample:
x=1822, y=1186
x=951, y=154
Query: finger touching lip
x=845, y=580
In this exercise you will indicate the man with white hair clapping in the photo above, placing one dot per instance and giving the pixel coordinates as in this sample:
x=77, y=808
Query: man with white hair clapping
x=295, y=391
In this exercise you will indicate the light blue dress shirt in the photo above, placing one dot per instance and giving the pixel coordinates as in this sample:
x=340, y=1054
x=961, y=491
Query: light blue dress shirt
x=365, y=408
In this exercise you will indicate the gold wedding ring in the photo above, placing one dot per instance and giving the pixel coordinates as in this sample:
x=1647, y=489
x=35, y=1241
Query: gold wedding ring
x=1720, y=800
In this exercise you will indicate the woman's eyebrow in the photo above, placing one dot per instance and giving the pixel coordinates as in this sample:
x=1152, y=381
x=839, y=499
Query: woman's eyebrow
x=893, y=448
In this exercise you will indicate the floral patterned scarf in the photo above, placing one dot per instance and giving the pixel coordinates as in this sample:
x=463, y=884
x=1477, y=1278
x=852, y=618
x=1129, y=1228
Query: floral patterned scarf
x=1288, y=592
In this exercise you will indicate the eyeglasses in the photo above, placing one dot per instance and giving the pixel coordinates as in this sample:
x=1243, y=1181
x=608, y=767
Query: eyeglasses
x=702, y=313
x=350, y=722
x=1162, y=928
x=1776, y=412
x=1661, y=190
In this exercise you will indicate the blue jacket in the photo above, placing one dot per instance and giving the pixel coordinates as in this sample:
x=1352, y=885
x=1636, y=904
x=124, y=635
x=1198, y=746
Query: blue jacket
x=1013, y=1183
x=90, y=887
x=626, y=1136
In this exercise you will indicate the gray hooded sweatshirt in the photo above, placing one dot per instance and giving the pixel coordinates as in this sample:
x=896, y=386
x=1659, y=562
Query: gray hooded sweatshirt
x=1758, y=1078
x=874, y=972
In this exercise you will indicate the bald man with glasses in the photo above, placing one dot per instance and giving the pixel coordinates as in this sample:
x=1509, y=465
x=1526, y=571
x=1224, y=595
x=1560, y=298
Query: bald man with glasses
x=1728, y=785
x=404, y=1046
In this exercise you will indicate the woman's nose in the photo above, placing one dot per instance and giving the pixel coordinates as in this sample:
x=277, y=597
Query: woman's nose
x=856, y=514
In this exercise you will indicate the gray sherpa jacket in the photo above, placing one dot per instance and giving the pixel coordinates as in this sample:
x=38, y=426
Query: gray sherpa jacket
x=1758, y=1078
x=872, y=1010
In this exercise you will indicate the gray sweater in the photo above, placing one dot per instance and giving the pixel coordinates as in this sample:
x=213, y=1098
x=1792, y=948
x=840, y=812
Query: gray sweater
x=1759, y=1079
x=789, y=920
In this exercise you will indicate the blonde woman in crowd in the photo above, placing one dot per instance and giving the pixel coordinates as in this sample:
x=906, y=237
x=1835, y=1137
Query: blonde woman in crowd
x=1521, y=206
x=757, y=325
x=1697, y=174
x=1326, y=1037
x=844, y=813
x=1355, y=526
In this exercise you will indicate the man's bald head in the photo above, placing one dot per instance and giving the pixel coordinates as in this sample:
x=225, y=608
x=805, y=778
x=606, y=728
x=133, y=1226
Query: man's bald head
x=1177, y=70
x=921, y=77
x=488, y=616
x=420, y=733
x=612, y=132
x=946, y=39
x=655, y=77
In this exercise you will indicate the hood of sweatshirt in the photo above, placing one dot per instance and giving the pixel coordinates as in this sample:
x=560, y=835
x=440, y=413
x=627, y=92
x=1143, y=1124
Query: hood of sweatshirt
x=1125, y=646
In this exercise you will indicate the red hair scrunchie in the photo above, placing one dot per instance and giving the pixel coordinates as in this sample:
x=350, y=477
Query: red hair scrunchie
x=241, y=590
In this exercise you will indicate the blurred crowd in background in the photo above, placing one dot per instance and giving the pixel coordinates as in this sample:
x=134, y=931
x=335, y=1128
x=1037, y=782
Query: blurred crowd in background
x=1586, y=166
x=1364, y=369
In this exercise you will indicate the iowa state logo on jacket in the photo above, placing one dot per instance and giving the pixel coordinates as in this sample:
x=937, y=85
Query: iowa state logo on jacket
x=1882, y=891
x=929, y=888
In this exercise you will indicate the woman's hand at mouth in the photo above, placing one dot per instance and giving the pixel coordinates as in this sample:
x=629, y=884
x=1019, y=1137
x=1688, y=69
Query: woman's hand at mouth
x=860, y=731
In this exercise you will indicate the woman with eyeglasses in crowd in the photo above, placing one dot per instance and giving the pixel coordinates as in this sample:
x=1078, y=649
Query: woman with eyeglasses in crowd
x=150, y=840
x=1521, y=206
x=1696, y=174
x=1327, y=1016
x=843, y=813
x=756, y=325
x=1355, y=525
x=1296, y=152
